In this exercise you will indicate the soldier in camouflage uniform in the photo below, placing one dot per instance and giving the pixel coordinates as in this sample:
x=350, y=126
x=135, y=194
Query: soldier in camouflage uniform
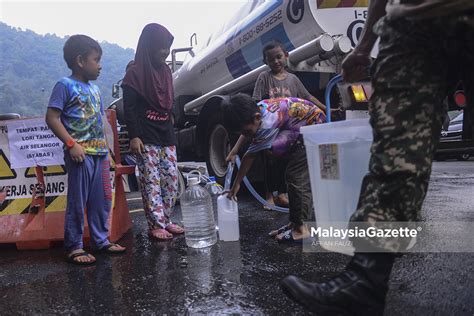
x=422, y=44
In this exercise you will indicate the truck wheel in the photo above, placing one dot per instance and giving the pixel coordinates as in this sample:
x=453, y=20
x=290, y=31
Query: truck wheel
x=218, y=146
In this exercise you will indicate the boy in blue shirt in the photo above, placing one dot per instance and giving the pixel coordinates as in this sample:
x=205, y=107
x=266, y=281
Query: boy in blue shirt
x=76, y=116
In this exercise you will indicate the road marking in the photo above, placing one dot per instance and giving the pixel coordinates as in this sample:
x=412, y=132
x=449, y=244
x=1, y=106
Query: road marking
x=136, y=210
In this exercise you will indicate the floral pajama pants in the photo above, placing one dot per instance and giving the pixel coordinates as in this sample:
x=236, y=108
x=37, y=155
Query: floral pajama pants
x=159, y=183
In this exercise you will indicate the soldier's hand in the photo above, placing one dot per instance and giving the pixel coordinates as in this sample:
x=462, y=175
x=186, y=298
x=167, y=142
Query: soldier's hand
x=355, y=66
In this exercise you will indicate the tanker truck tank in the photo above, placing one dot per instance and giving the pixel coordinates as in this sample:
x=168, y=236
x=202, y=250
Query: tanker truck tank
x=237, y=48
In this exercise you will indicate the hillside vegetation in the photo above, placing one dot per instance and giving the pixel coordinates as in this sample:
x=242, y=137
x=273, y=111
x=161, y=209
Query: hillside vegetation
x=30, y=65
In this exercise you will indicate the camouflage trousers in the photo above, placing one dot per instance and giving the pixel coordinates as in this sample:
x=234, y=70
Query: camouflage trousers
x=410, y=79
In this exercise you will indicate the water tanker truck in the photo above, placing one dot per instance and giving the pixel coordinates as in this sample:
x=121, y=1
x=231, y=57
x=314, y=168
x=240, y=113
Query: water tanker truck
x=316, y=33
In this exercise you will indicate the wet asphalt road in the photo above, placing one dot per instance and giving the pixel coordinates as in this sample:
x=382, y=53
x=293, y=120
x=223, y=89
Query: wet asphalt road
x=240, y=277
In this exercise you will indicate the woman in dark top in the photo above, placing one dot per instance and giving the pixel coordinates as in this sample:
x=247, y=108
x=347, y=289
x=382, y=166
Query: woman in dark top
x=148, y=101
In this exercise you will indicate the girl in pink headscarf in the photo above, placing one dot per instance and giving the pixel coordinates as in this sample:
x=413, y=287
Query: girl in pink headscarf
x=148, y=101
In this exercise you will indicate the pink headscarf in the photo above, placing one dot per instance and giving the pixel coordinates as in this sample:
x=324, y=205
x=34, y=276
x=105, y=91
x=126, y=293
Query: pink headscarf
x=154, y=83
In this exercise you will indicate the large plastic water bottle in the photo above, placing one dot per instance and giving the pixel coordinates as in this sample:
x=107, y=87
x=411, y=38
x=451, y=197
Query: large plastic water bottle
x=228, y=212
x=198, y=216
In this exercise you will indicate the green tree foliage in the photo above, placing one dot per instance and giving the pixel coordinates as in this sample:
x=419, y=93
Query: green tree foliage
x=31, y=64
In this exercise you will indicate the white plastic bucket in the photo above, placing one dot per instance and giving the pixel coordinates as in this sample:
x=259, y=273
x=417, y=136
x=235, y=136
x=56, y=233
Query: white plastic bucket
x=338, y=157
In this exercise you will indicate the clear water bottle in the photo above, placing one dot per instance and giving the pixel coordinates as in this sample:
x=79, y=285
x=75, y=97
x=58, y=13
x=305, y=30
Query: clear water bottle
x=198, y=216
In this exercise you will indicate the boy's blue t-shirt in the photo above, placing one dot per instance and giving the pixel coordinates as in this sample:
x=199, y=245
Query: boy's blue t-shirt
x=82, y=113
x=282, y=119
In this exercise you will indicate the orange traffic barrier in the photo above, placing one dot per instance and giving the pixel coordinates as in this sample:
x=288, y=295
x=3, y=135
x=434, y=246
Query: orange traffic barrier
x=120, y=217
x=37, y=222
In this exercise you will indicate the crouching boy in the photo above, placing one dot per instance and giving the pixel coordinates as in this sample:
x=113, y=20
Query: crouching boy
x=274, y=125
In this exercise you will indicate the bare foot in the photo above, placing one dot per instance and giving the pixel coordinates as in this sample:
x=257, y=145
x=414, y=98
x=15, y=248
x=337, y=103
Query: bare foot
x=282, y=200
x=269, y=199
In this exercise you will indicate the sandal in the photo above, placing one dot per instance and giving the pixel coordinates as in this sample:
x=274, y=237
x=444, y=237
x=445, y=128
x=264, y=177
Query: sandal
x=174, y=229
x=160, y=234
x=287, y=238
x=267, y=208
x=280, y=230
x=109, y=249
x=71, y=258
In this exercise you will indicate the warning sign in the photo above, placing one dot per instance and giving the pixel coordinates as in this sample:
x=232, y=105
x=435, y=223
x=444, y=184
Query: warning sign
x=32, y=143
x=5, y=170
x=17, y=183
x=54, y=186
x=47, y=171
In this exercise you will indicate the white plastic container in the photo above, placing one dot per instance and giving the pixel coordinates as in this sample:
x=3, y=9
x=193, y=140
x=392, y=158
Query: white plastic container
x=227, y=219
x=338, y=158
x=228, y=212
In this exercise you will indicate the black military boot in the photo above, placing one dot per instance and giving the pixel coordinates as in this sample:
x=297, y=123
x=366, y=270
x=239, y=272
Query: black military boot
x=359, y=290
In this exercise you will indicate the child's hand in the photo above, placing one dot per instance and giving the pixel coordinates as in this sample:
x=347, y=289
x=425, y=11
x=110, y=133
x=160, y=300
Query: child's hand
x=230, y=157
x=77, y=153
x=232, y=194
x=136, y=146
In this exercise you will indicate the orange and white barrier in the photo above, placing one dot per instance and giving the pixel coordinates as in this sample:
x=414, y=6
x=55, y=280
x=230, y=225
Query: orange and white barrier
x=33, y=200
